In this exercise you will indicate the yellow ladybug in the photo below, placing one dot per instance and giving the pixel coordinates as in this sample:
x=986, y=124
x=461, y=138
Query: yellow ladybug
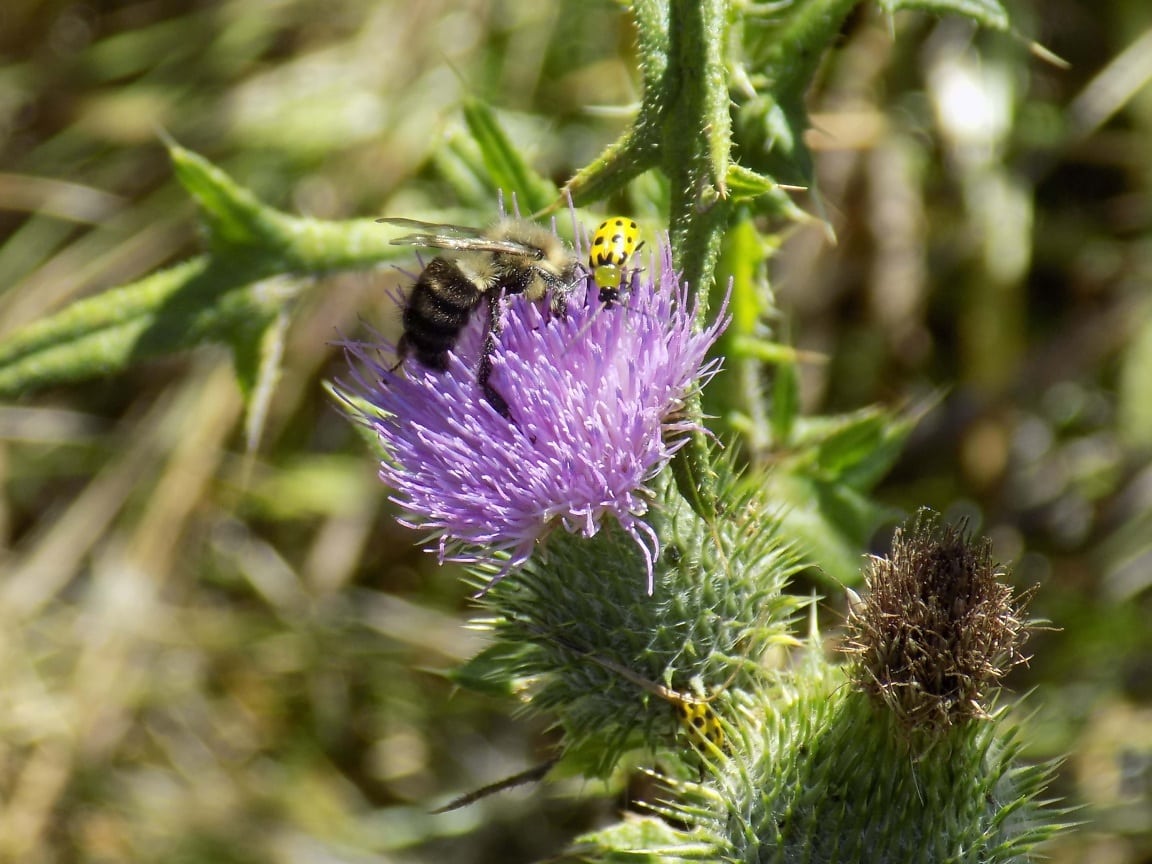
x=699, y=721
x=614, y=242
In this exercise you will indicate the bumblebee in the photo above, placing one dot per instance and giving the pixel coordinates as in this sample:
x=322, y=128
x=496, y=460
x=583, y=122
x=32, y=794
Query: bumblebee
x=614, y=242
x=511, y=257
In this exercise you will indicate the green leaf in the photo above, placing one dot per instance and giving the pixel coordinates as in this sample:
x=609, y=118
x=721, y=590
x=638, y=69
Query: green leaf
x=241, y=228
x=651, y=17
x=986, y=13
x=829, y=523
x=640, y=839
x=696, y=138
x=772, y=353
x=170, y=311
x=742, y=261
x=461, y=165
x=762, y=194
x=233, y=215
x=638, y=147
x=509, y=170
x=491, y=672
x=229, y=296
x=257, y=361
x=90, y=336
x=856, y=449
x=627, y=157
x=698, y=39
x=692, y=469
x=785, y=403
x=771, y=135
x=851, y=443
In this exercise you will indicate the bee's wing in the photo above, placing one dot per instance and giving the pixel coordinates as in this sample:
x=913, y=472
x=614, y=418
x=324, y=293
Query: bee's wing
x=441, y=228
x=458, y=238
x=436, y=234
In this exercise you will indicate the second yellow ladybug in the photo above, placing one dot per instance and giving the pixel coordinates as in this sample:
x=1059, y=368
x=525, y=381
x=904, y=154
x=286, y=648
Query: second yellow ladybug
x=699, y=721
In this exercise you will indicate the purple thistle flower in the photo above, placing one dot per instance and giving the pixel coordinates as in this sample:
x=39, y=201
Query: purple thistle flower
x=597, y=399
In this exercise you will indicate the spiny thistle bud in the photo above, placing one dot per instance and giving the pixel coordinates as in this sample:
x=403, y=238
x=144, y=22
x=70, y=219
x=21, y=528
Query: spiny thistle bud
x=621, y=670
x=938, y=628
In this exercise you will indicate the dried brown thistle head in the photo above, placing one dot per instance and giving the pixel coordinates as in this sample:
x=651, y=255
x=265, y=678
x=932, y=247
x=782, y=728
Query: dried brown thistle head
x=938, y=628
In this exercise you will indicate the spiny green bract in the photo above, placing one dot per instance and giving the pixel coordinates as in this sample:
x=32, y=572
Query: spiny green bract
x=608, y=661
x=825, y=775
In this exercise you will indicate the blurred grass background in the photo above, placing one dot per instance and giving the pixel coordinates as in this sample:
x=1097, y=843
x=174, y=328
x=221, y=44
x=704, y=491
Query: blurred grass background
x=206, y=658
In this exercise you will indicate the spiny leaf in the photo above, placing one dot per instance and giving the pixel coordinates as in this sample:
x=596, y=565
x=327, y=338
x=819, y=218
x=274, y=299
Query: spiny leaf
x=229, y=296
x=854, y=449
x=493, y=670
x=233, y=215
x=272, y=242
x=460, y=164
x=632, y=154
x=257, y=362
x=506, y=165
x=698, y=34
x=763, y=194
x=829, y=522
x=986, y=13
x=642, y=840
x=638, y=148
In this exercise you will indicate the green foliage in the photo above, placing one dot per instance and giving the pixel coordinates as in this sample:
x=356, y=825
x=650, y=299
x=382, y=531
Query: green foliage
x=273, y=683
x=507, y=169
x=826, y=468
x=234, y=295
x=107, y=333
x=986, y=13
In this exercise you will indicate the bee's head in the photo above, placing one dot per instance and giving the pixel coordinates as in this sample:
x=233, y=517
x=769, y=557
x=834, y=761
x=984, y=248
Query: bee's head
x=562, y=265
x=556, y=275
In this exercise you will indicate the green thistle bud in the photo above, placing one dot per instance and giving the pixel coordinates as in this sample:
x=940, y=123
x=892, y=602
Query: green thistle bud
x=622, y=670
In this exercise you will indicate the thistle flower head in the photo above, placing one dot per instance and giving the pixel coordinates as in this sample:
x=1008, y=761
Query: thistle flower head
x=596, y=397
x=938, y=628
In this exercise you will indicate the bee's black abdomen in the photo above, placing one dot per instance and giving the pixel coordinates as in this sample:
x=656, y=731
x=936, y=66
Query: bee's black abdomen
x=440, y=305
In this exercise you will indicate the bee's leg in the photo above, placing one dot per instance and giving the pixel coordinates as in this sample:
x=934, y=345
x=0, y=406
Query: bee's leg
x=402, y=349
x=560, y=290
x=484, y=371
